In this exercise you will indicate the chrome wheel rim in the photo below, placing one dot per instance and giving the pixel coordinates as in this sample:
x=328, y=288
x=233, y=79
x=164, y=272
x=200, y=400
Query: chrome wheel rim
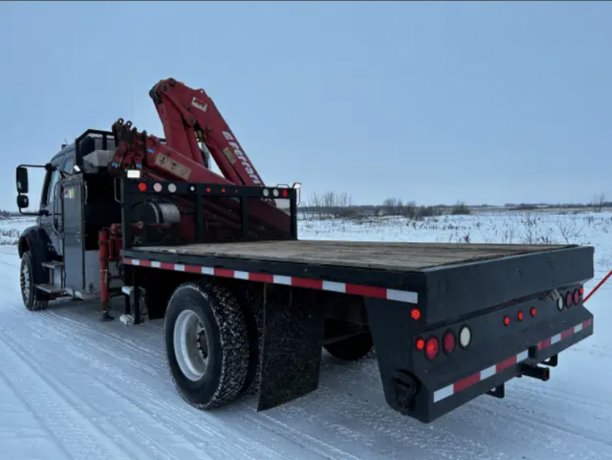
x=190, y=345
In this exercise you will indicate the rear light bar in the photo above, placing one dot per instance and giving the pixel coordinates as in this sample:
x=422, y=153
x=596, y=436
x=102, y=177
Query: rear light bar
x=431, y=346
x=158, y=187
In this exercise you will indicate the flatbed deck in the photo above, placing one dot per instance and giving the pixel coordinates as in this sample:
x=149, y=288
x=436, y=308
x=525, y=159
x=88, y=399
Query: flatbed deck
x=409, y=257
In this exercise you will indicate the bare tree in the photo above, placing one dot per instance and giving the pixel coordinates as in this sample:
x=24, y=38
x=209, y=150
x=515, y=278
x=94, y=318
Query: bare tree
x=530, y=223
x=569, y=229
x=393, y=206
x=599, y=201
x=329, y=205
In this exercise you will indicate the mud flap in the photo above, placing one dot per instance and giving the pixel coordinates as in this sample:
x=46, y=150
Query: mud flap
x=292, y=340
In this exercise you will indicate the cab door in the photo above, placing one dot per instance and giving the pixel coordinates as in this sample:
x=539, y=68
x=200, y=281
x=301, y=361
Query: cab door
x=73, y=198
x=51, y=208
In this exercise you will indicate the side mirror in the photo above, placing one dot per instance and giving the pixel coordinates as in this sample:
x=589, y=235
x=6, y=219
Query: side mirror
x=22, y=180
x=22, y=201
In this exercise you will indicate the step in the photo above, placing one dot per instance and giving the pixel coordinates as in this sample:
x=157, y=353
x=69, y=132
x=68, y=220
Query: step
x=53, y=264
x=49, y=288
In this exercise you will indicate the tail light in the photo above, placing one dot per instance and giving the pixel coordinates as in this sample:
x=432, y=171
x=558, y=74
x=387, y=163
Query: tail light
x=449, y=342
x=576, y=297
x=142, y=187
x=416, y=314
x=507, y=321
x=432, y=347
x=520, y=316
x=420, y=344
x=533, y=311
x=568, y=299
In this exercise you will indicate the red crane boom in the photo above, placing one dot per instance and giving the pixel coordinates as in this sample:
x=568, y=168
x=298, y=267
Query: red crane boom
x=194, y=130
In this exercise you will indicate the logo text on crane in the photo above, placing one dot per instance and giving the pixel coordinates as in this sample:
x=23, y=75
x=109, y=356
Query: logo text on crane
x=199, y=104
x=243, y=159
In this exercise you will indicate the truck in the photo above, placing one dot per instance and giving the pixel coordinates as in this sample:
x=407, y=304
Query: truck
x=130, y=219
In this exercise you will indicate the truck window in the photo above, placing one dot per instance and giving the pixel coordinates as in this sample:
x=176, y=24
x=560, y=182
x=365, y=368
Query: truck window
x=68, y=165
x=48, y=196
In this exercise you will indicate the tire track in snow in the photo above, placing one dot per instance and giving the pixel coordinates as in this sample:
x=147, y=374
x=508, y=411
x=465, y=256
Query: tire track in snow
x=61, y=414
x=127, y=421
x=50, y=436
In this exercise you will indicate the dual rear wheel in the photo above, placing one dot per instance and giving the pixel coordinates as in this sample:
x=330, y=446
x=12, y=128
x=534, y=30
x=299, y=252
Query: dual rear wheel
x=213, y=343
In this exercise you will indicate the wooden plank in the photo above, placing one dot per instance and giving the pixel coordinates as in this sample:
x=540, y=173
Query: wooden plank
x=379, y=255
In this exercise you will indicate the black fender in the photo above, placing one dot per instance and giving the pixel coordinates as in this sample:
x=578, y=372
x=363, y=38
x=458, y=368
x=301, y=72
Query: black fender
x=35, y=240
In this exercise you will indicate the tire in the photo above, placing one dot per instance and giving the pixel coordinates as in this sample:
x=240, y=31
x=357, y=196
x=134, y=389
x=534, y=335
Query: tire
x=218, y=380
x=349, y=349
x=33, y=299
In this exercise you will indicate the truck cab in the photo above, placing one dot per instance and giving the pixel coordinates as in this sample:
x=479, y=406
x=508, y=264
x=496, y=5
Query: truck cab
x=59, y=253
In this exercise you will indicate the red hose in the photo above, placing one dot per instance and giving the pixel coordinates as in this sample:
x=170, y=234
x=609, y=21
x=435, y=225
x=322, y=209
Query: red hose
x=598, y=286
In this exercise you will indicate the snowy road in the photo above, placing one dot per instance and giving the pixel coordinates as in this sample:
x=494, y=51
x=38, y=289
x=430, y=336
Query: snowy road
x=74, y=388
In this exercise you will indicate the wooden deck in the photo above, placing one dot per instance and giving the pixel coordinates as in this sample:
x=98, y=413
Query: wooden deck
x=375, y=255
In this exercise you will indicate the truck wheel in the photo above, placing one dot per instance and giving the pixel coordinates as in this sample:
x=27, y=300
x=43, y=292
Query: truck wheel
x=206, y=344
x=33, y=299
x=349, y=349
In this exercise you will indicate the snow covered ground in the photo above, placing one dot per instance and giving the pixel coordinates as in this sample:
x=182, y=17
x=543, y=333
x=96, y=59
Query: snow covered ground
x=74, y=388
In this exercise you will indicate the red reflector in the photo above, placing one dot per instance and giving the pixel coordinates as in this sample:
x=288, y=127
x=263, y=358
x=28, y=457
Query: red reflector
x=416, y=314
x=581, y=290
x=449, y=342
x=285, y=193
x=568, y=299
x=533, y=311
x=420, y=344
x=576, y=297
x=142, y=187
x=506, y=320
x=222, y=190
x=520, y=316
x=208, y=190
x=432, y=347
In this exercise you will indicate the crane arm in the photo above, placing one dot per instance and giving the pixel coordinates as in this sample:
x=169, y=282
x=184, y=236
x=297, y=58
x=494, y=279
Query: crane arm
x=190, y=116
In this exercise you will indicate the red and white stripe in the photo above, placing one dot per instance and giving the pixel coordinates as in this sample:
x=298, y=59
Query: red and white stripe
x=345, y=288
x=473, y=379
x=565, y=334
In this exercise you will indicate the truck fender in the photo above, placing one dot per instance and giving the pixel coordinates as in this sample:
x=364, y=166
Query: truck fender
x=35, y=240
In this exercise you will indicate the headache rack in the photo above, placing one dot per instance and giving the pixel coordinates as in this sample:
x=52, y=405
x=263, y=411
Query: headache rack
x=157, y=212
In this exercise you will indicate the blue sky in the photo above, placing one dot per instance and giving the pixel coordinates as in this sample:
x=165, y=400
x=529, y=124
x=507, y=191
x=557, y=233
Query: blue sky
x=485, y=102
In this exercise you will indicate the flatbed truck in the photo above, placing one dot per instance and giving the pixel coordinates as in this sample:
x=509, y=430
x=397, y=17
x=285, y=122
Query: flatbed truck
x=248, y=307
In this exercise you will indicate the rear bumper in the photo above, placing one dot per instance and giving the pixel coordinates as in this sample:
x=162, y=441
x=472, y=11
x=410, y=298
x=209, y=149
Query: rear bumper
x=484, y=380
x=460, y=391
x=426, y=390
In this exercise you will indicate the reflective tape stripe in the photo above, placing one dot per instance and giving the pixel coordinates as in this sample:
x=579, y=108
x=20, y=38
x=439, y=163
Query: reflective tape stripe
x=467, y=382
x=332, y=286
